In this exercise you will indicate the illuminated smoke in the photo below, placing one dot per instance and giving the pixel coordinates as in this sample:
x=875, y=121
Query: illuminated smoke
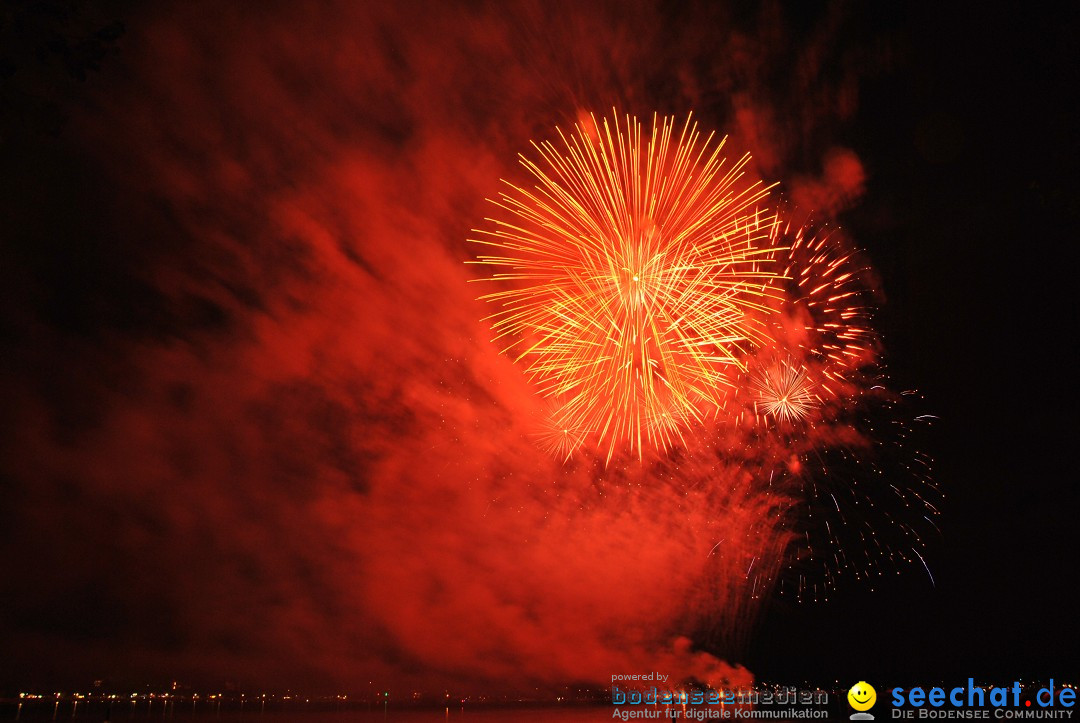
x=282, y=449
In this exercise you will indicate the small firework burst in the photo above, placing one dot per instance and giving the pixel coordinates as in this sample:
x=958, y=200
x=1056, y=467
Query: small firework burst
x=559, y=436
x=635, y=274
x=784, y=391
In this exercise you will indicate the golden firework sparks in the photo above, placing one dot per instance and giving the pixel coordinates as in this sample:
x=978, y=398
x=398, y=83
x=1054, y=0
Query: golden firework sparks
x=784, y=391
x=635, y=273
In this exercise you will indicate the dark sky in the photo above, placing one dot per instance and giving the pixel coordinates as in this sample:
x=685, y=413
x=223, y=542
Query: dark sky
x=249, y=412
x=969, y=215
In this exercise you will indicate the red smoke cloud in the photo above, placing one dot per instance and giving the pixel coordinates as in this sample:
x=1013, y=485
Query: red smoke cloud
x=841, y=184
x=321, y=470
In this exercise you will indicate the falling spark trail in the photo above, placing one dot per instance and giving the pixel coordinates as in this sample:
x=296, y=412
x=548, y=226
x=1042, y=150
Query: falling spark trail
x=925, y=566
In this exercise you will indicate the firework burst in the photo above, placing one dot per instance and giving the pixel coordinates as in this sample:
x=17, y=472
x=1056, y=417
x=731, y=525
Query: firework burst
x=784, y=391
x=866, y=502
x=634, y=275
x=559, y=436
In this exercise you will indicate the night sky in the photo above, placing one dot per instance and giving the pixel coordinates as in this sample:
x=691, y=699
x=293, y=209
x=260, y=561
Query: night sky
x=253, y=427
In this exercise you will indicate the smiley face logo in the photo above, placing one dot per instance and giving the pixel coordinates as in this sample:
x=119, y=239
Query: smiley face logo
x=862, y=696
